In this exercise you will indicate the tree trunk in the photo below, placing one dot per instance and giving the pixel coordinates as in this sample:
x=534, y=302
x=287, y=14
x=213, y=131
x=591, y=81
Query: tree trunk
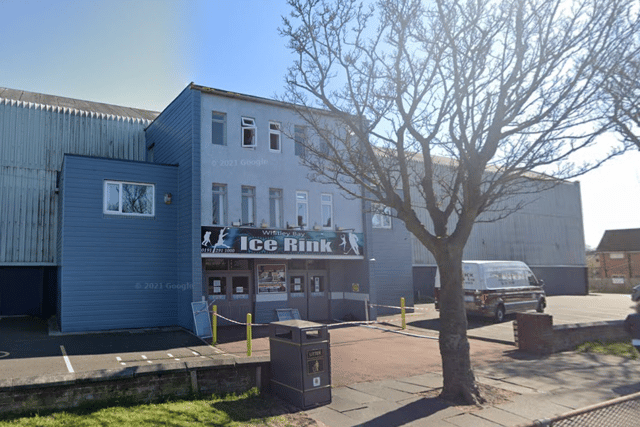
x=459, y=381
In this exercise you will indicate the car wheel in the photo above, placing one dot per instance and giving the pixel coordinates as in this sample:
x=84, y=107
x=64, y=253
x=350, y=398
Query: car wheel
x=541, y=306
x=499, y=317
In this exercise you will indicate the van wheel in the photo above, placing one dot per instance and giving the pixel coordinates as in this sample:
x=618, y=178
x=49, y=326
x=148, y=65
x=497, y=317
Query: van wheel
x=499, y=317
x=541, y=306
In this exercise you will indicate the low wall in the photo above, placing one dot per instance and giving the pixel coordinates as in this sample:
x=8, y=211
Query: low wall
x=535, y=333
x=141, y=384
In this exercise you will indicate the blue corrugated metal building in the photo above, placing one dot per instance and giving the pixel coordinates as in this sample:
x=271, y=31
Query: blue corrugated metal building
x=137, y=214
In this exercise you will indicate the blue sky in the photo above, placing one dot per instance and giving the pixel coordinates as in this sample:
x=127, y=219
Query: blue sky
x=143, y=53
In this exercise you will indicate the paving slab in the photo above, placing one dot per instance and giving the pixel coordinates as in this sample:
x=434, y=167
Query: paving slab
x=354, y=395
x=404, y=386
x=500, y=417
x=380, y=390
x=533, y=409
x=430, y=380
x=341, y=404
x=331, y=418
x=470, y=420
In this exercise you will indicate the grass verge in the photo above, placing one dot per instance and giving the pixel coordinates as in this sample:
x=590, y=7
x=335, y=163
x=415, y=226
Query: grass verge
x=247, y=409
x=622, y=348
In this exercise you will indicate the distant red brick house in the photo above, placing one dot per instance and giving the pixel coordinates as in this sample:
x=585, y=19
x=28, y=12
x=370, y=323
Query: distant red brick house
x=618, y=254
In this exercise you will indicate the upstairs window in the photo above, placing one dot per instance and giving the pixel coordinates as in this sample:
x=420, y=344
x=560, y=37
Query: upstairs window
x=128, y=198
x=275, y=207
x=248, y=206
x=381, y=217
x=302, y=209
x=219, y=206
x=300, y=139
x=218, y=128
x=248, y=132
x=326, y=201
x=274, y=136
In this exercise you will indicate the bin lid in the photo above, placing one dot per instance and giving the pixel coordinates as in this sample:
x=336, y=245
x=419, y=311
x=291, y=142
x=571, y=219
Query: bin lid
x=300, y=324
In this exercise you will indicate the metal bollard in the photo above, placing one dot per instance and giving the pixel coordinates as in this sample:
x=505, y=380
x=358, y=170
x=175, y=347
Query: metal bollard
x=402, y=312
x=248, y=334
x=214, y=326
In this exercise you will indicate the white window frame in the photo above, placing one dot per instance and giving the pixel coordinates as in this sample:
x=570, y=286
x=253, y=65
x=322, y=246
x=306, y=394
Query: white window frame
x=120, y=184
x=304, y=202
x=224, y=126
x=381, y=216
x=248, y=124
x=250, y=198
x=222, y=201
x=326, y=199
x=274, y=131
x=299, y=139
x=275, y=207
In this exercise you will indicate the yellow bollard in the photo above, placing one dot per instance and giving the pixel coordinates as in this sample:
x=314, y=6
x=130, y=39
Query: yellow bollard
x=402, y=311
x=214, y=326
x=248, y=334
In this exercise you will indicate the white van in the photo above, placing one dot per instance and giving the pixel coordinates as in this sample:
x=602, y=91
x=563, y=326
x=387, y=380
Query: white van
x=497, y=288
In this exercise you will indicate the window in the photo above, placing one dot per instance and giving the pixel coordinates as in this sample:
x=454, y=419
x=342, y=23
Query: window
x=128, y=198
x=218, y=128
x=248, y=132
x=299, y=136
x=248, y=206
x=274, y=136
x=219, y=204
x=275, y=208
x=326, y=201
x=381, y=216
x=302, y=208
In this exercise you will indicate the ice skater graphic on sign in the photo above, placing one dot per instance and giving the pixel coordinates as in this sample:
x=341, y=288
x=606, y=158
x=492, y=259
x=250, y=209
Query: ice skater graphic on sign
x=220, y=243
x=207, y=238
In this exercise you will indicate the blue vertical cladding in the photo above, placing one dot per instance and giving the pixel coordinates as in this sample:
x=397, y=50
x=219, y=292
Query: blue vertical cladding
x=391, y=274
x=116, y=271
x=175, y=136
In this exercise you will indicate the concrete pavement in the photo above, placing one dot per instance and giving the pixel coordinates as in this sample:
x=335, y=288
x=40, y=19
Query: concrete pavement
x=528, y=390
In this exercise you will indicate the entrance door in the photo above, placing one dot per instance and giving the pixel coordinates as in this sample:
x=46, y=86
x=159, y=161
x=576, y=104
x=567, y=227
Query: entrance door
x=318, y=295
x=309, y=293
x=231, y=292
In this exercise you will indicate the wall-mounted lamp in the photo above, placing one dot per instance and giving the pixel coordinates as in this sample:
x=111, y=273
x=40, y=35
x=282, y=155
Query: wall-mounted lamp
x=316, y=226
x=263, y=224
x=167, y=198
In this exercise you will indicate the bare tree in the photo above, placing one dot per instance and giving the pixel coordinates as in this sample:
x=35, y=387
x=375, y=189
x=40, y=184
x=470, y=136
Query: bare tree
x=621, y=93
x=453, y=107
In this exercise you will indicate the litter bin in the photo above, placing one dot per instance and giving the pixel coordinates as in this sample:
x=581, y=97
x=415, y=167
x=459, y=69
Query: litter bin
x=300, y=362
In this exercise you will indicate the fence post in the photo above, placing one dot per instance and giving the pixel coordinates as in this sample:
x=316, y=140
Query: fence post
x=214, y=325
x=366, y=309
x=402, y=312
x=248, y=334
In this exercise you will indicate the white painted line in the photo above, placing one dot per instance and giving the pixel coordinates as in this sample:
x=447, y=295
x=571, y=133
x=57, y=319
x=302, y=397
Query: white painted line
x=176, y=358
x=197, y=354
x=149, y=361
x=144, y=357
x=123, y=364
x=119, y=359
x=66, y=359
x=169, y=354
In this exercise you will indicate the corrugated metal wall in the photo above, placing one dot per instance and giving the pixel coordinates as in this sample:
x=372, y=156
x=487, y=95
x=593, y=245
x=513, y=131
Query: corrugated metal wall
x=546, y=232
x=33, y=139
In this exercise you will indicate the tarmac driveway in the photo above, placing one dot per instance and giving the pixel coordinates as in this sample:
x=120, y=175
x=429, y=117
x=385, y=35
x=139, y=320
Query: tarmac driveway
x=27, y=349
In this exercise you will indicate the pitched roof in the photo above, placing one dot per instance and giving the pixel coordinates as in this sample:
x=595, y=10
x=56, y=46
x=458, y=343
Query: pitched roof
x=75, y=104
x=620, y=240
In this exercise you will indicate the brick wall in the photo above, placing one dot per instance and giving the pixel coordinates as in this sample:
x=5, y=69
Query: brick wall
x=139, y=383
x=535, y=333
